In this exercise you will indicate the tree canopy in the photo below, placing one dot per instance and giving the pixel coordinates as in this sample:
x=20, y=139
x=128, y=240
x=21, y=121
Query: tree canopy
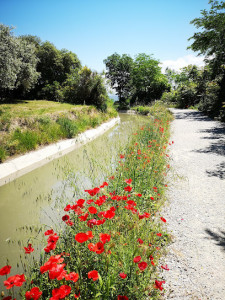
x=136, y=80
x=18, y=62
x=32, y=69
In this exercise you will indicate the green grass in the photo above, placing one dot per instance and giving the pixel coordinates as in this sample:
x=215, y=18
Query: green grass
x=26, y=125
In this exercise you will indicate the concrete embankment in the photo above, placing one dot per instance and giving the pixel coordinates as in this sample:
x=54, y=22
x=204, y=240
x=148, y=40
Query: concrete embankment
x=21, y=165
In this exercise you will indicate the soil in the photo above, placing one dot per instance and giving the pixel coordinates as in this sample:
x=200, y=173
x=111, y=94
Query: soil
x=196, y=211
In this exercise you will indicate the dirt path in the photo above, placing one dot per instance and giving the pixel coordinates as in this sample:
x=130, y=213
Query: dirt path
x=196, y=212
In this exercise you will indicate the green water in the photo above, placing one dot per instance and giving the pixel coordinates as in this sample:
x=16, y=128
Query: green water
x=33, y=202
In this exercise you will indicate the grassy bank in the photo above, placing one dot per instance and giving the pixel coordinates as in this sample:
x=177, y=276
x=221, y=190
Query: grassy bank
x=26, y=125
x=155, y=110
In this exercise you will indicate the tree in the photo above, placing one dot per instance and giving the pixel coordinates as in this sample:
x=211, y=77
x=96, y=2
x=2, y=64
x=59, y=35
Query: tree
x=17, y=62
x=210, y=41
x=118, y=70
x=147, y=79
x=9, y=59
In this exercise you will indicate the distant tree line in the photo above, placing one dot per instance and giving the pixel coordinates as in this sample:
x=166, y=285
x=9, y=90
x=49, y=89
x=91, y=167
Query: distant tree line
x=32, y=69
x=204, y=87
x=136, y=81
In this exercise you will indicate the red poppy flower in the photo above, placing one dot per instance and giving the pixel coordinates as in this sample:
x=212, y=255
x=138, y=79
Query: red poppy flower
x=93, y=192
x=109, y=214
x=92, y=210
x=158, y=285
x=164, y=220
x=139, y=195
x=122, y=156
x=137, y=259
x=145, y=215
x=28, y=249
x=103, y=185
x=81, y=237
x=91, y=223
x=53, y=260
x=100, y=222
x=57, y=272
x=33, y=294
x=77, y=296
x=165, y=268
x=151, y=257
x=92, y=247
x=89, y=234
x=99, y=248
x=65, y=218
x=128, y=181
x=140, y=241
x=119, y=297
x=93, y=275
x=142, y=265
x=60, y=293
x=84, y=217
x=80, y=202
x=72, y=276
x=152, y=262
x=123, y=275
x=5, y=270
x=131, y=202
x=159, y=234
x=90, y=201
x=48, y=232
x=101, y=200
x=104, y=237
x=16, y=280
x=128, y=188
x=67, y=208
x=53, y=238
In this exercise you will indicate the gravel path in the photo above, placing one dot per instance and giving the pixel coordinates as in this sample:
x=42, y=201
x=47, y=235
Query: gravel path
x=196, y=212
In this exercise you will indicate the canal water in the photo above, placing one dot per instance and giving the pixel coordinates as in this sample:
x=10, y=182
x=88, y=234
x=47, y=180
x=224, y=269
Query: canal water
x=32, y=203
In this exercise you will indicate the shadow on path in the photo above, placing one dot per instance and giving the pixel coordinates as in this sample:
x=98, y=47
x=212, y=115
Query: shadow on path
x=218, y=172
x=191, y=115
x=218, y=237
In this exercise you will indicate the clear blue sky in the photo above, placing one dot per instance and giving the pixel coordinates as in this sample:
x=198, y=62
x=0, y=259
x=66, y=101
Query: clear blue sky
x=95, y=29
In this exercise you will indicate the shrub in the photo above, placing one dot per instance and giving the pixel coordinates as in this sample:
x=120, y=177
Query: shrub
x=69, y=128
x=26, y=140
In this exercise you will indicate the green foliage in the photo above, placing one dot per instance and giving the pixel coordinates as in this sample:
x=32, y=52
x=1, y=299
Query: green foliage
x=17, y=63
x=170, y=98
x=85, y=87
x=135, y=81
x=210, y=42
x=26, y=125
x=2, y=154
x=147, y=79
x=25, y=140
x=31, y=69
x=118, y=71
x=69, y=128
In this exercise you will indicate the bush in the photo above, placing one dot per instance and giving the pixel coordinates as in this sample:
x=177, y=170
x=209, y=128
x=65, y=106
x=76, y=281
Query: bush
x=69, y=128
x=26, y=140
x=2, y=154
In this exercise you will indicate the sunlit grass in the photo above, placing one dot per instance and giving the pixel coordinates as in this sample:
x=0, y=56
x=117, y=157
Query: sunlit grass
x=26, y=125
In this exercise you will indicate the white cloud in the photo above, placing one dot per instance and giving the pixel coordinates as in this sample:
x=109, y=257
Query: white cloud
x=183, y=62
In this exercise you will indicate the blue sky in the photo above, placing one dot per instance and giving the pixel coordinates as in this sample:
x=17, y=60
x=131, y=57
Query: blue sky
x=95, y=29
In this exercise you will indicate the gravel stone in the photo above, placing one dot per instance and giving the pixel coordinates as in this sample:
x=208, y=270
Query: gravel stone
x=196, y=210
